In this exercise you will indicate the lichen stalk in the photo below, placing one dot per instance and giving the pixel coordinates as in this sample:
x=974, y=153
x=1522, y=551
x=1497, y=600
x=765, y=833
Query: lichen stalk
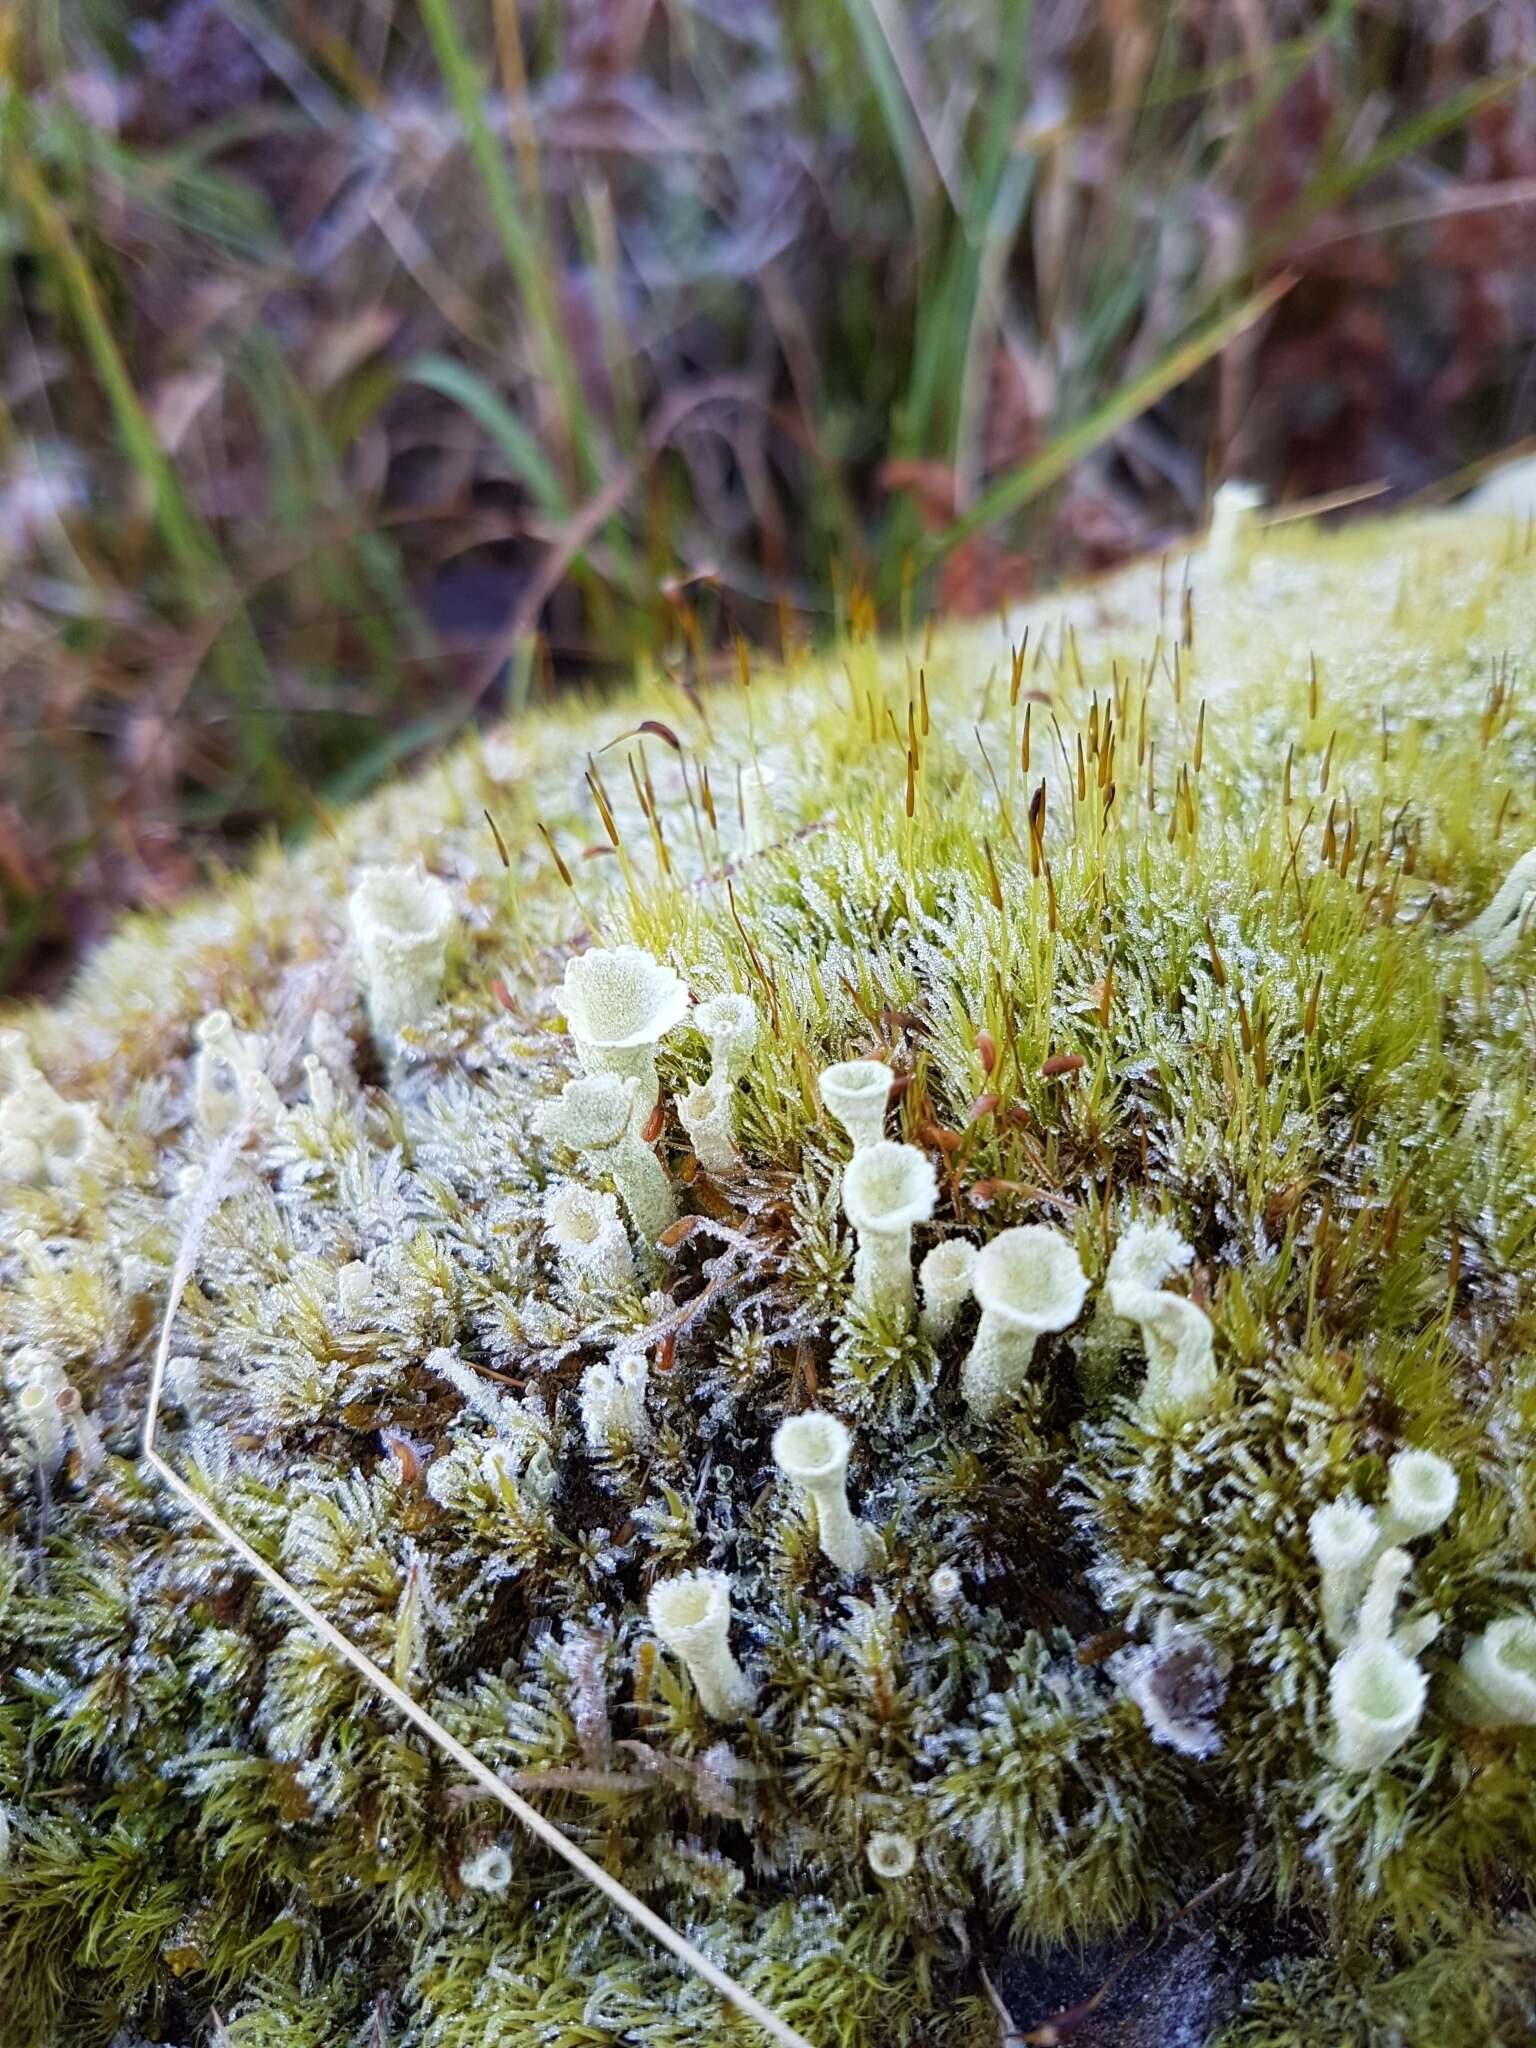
x=692, y=1616
x=401, y=920
x=1029, y=1282
x=812, y=1452
x=887, y=1190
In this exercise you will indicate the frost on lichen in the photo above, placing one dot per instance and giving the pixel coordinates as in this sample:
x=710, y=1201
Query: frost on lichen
x=887, y=1191
x=401, y=922
x=1377, y=1688
x=999, y=1434
x=1176, y=1335
x=1028, y=1283
x=620, y=1003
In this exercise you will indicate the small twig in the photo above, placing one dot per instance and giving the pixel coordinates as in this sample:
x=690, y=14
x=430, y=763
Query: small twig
x=602, y=506
x=1008, y=2035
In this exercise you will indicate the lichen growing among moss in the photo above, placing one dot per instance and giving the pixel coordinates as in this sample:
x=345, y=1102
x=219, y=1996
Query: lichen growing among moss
x=1160, y=921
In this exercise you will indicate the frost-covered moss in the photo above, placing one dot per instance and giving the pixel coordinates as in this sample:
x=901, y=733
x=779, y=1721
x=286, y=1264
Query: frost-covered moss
x=1163, y=921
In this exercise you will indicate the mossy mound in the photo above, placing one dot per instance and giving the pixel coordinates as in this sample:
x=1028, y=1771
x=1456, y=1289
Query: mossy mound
x=1165, y=919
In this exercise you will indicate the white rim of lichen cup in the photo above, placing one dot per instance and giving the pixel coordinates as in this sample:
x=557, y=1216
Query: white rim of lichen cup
x=402, y=905
x=1498, y=1671
x=575, y=1216
x=888, y=1189
x=731, y=1026
x=1377, y=1694
x=1421, y=1494
x=812, y=1449
x=590, y=1114
x=583, y=1225
x=69, y=1139
x=891, y=1856
x=857, y=1093
x=1030, y=1279
x=620, y=1002
x=692, y=1612
x=1028, y=1283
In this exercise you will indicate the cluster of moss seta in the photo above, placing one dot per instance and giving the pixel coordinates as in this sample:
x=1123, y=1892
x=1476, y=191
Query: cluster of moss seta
x=828, y=1338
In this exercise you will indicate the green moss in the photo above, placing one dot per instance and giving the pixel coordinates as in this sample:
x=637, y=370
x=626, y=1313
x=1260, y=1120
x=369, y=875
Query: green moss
x=1478, y=1992
x=1214, y=974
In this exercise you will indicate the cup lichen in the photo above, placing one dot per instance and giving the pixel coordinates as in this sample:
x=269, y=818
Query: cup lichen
x=1376, y=1688
x=1346, y=1539
x=731, y=1026
x=1028, y=1283
x=613, y=1413
x=856, y=1092
x=583, y=1226
x=692, y=1616
x=945, y=1279
x=598, y=1115
x=888, y=1189
x=401, y=919
x=1176, y=1335
x=1502, y=923
x=706, y=1113
x=620, y=1002
x=891, y=1856
x=1498, y=1674
x=812, y=1452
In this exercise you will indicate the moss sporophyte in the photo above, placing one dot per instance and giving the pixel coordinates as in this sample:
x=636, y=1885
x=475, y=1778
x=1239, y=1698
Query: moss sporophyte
x=918, y=1402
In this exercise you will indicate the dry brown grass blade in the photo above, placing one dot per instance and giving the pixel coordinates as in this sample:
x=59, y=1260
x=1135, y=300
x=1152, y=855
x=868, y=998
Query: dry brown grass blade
x=589, y=518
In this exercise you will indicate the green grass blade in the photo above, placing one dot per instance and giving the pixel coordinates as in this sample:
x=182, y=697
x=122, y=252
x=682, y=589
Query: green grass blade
x=1020, y=485
x=187, y=541
x=907, y=145
x=489, y=410
x=530, y=260
x=1436, y=122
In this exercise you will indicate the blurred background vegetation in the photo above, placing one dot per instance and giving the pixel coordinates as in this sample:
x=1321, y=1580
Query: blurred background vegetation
x=368, y=367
